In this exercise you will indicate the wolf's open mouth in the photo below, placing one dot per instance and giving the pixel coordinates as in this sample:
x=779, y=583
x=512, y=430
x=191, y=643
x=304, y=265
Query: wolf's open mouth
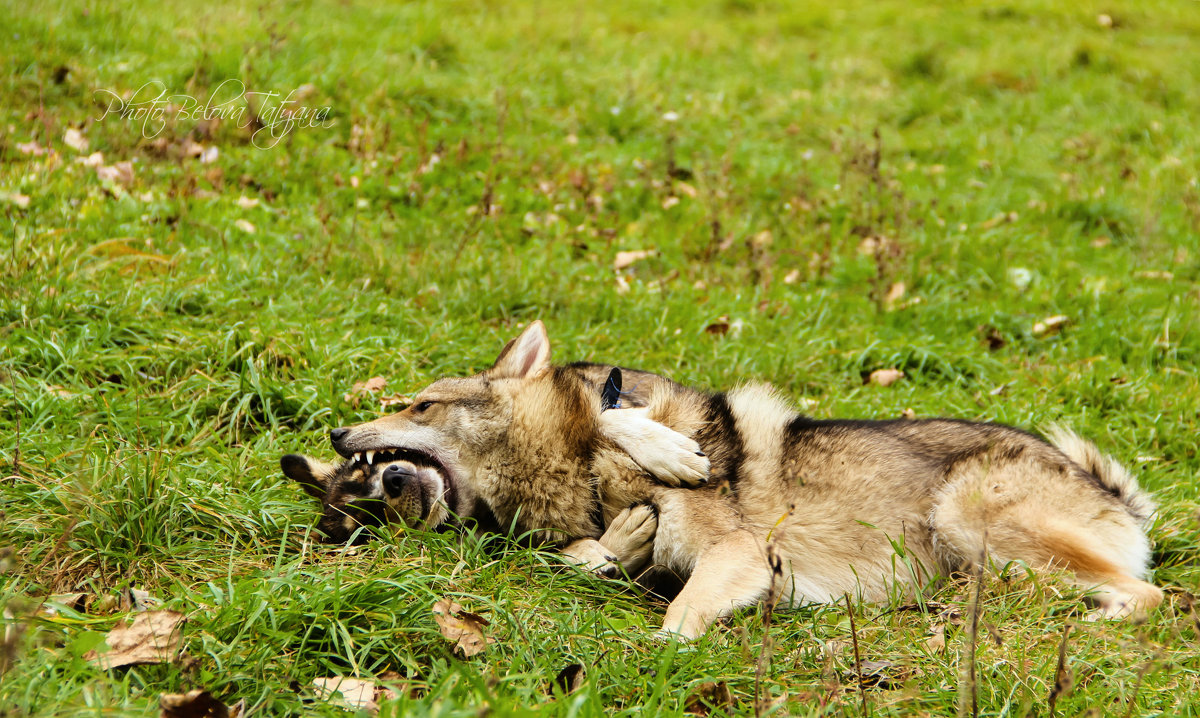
x=377, y=459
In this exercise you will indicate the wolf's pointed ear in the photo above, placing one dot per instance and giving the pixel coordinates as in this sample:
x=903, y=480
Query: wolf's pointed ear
x=312, y=475
x=524, y=356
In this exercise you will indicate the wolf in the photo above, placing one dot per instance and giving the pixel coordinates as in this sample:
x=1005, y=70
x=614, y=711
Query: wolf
x=424, y=487
x=796, y=509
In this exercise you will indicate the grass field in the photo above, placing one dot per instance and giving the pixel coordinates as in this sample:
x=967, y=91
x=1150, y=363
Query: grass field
x=829, y=189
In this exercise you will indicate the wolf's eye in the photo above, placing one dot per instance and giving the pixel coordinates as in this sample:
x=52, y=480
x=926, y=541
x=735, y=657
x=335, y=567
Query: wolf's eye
x=422, y=406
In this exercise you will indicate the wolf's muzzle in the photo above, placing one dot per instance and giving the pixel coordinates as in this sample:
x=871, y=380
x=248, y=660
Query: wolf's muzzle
x=394, y=477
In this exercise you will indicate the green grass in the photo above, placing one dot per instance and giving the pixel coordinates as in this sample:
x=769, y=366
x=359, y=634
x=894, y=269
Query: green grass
x=157, y=358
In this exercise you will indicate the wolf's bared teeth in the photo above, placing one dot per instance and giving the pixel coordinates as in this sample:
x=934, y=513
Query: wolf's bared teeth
x=357, y=455
x=370, y=457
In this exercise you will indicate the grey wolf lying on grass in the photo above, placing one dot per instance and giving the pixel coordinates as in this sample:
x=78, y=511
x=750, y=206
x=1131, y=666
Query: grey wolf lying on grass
x=815, y=509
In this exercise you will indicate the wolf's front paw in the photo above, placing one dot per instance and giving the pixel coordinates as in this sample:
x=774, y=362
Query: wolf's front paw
x=665, y=635
x=630, y=536
x=593, y=556
x=662, y=452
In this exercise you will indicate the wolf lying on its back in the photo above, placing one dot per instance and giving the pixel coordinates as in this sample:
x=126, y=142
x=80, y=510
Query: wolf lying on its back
x=833, y=498
x=423, y=481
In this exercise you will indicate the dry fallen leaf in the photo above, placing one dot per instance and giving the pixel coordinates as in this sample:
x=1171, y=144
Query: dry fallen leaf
x=462, y=627
x=894, y=294
x=570, y=678
x=31, y=148
x=937, y=642
x=352, y=693
x=710, y=697
x=153, y=637
x=121, y=172
x=21, y=200
x=1050, y=326
x=792, y=277
x=197, y=704
x=137, y=600
x=246, y=202
x=992, y=337
x=95, y=159
x=74, y=139
x=1000, y=219
x=245, y=226
x=363, y=388
x=886, y=675
x=77, y=602
x=885, y=377
x=723, y=325
x=625, y=259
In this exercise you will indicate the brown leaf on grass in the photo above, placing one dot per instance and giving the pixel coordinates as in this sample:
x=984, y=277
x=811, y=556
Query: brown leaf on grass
x=894, y=294
x=570, y=678
x=992, y=337
x=999, y=219
x=626, y=259
x=153, y=637
x=352, y=693
x=462, y=627
x=1050, y=326
x=121, y=172
x=137, y=600
x=77, y=602
x=21, y=200
x=74, y=139
x=206, y=155
x=31, y=148
x=708, y=698
x=886, y=675
x=719, y=327
x=120, y=247
x=96, y=159
x=936, y=643
x=197, y=704
x=365, y=388
x=885, y=377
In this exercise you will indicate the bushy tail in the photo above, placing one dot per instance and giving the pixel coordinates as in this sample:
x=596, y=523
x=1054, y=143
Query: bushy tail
x=1111, y=474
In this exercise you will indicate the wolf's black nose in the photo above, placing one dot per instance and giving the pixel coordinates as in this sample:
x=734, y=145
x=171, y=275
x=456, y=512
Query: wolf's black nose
x=393, y=478
x=337, y=435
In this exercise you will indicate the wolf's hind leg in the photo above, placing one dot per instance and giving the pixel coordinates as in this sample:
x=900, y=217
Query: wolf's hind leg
x=729, y=574
x=1099, y=542
x=662, y=452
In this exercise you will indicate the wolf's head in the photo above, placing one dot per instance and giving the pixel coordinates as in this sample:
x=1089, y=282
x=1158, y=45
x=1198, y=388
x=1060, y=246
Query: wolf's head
x=394, y=487
x=516, y=436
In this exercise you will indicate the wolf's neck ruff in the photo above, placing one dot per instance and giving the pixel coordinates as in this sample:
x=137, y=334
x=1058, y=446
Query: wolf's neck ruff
x=553, y=434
